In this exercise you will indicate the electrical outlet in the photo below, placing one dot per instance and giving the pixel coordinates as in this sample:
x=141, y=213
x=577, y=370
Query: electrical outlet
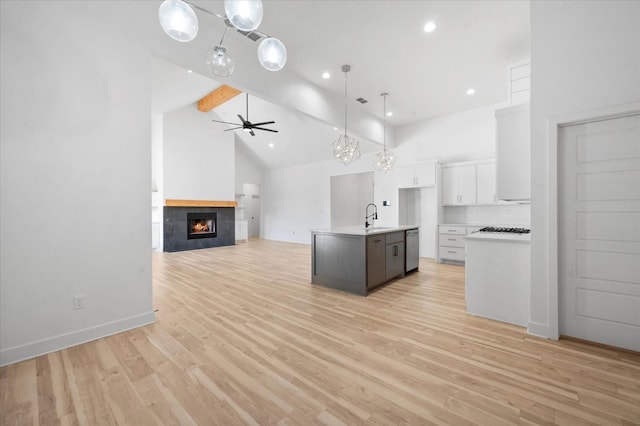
x=78, y=302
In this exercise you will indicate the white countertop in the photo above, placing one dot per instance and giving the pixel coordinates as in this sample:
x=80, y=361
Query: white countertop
x=361, y=230
x=499, y=236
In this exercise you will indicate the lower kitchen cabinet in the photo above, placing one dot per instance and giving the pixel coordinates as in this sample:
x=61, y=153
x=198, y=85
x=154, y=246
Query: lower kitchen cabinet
x=376, y=252
x=452, y=242
x=395, y=260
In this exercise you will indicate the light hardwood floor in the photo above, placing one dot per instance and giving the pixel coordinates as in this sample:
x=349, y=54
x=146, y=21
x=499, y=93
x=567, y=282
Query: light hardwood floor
x=242, y=337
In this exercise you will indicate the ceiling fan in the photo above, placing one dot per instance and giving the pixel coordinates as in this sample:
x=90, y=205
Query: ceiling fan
x=246, y=125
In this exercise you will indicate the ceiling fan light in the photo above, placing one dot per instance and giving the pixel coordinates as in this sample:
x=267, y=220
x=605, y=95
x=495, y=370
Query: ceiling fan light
x=219, y=62
x=178, y=20
x=272, y=54
x=245, y=15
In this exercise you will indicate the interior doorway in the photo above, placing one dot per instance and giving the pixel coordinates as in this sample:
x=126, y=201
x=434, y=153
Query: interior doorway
x=419, y=207
x=252, y=205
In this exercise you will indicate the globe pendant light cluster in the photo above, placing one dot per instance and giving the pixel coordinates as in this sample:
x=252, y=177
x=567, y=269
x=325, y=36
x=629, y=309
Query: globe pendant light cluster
x=384, y=160
x=180, y=22
x=346, y=149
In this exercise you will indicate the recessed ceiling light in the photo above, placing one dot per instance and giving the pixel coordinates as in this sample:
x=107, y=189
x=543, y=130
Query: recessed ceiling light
x=326, y=75
x=389, y=114
x=429, y=27
x=189, y=71
x=271, y=145
x=335, y=128
x=471, y=91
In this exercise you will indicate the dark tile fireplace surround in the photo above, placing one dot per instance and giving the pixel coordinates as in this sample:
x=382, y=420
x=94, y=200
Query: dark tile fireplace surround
x=176, y=228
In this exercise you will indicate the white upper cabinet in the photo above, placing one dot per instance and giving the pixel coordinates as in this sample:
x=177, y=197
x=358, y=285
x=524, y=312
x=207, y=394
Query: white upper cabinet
x=469, y=183
x=486, y=183
x=417, y=176
x=459, y=185
x=513, y=153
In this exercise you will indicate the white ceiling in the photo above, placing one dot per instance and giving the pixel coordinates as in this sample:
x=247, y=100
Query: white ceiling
x=426, y=75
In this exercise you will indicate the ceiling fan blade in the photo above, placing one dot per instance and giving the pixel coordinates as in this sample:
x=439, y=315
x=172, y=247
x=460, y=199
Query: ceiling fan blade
x=224, y=122
x=267, y=130
x=263, y=123
x=233, y=128
x=251, y=132
x=243, y=120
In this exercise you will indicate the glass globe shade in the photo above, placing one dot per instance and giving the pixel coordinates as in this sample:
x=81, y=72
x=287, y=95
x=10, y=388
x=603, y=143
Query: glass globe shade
x=272, y=54
x=178, y=20
x=219, y=62
x=245, y=15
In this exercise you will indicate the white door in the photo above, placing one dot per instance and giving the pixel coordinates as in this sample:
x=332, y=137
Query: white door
x=252, y=208
x=599, y=231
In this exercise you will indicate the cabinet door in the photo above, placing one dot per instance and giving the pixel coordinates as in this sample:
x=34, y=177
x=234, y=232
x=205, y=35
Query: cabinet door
x=425, y=174
x=395, y=260
x=417, y=176
x=486, y=183
x=513, y=153
x=449, y=187
x=459, y=185
x=376, y=272
x=406, y=177
x=466, y=184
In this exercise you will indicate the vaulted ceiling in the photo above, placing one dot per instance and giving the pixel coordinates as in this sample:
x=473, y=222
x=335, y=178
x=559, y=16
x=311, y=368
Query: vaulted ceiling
x=426, y=74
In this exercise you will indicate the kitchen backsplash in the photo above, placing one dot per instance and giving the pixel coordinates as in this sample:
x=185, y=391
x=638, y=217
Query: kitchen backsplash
x=507, y=214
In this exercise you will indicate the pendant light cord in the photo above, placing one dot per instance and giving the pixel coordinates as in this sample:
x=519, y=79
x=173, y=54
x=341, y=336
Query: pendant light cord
x=345, y=104
x=384, y=122
x=223, y=34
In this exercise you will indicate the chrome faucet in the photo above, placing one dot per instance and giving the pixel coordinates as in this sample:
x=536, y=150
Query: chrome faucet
x=373, y=216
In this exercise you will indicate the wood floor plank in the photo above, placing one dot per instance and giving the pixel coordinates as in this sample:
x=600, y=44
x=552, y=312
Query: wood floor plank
x=242, y=337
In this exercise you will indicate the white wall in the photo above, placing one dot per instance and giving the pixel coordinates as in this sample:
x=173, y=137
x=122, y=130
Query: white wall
x=350, y=195
x=499, y=215
x=248, y=168
x=297, y=199
x=198, y=158
x=468, y=135
x=75, y=174
x=585, y=57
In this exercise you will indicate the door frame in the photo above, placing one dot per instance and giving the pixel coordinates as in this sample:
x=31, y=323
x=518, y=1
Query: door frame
x=553, y=128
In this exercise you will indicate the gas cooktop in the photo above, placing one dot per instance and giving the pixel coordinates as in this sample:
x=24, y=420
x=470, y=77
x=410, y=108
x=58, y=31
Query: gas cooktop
x=504, y=229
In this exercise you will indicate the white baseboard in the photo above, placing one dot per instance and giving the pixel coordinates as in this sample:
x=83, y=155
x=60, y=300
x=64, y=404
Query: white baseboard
x=52, y=344
x=539, y=329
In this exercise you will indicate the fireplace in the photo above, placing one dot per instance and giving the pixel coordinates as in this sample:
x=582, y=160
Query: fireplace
x=201, y=225
x=193, y=227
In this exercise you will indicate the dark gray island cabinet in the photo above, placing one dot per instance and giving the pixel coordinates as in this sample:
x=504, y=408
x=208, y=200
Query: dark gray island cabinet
x=358, y=260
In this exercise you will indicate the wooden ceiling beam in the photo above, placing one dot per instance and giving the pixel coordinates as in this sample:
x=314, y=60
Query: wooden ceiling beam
x=219, y=96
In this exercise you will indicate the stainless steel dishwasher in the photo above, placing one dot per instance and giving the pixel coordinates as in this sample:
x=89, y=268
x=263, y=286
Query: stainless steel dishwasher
x=412, y=251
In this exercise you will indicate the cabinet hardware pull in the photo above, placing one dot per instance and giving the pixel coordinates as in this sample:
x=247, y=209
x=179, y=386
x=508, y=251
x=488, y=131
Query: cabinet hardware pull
x=449, y=251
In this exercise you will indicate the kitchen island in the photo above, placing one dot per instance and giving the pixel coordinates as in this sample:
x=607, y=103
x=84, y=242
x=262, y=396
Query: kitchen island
x=358, y=259
x=497, y=276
